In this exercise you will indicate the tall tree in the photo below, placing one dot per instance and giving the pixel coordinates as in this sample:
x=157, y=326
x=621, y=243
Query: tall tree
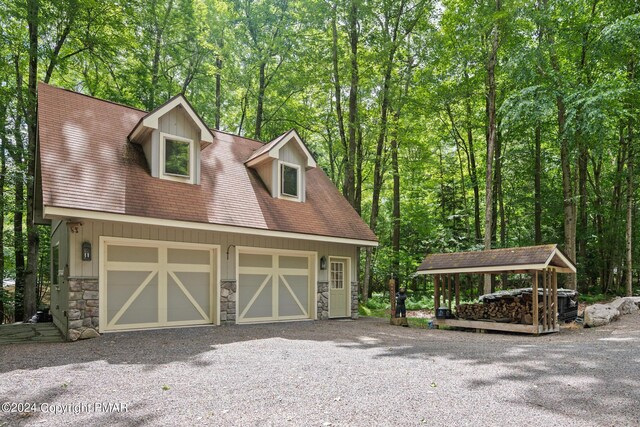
x=491, y=136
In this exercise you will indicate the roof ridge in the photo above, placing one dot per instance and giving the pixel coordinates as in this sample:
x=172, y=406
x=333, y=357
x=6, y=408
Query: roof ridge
x=239, y=136
x=119, y=104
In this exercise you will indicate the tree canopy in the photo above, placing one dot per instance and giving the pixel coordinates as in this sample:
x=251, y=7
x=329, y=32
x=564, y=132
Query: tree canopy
x=406, y=104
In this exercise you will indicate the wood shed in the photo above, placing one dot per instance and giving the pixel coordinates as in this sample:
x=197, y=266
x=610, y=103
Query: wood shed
x=541, y=263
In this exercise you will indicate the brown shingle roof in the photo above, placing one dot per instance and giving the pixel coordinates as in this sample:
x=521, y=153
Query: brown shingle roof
x=87, y=163
x=506, y=259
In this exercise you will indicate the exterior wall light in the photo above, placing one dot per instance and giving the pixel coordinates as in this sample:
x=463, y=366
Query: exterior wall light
x=86, y=251
x=323, y=263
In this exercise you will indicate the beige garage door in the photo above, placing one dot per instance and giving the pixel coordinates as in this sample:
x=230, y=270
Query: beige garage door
x=150, y=284
x=275, y=286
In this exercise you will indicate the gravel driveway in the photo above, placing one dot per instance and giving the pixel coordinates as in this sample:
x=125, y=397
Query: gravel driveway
x=357, y=373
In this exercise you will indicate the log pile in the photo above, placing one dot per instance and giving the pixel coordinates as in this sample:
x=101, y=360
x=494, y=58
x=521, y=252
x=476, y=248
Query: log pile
x=506, y=309
x=511, y=306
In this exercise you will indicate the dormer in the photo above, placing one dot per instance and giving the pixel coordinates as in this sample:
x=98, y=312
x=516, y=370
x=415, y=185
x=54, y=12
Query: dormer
x=282, y=165
x=172, y=137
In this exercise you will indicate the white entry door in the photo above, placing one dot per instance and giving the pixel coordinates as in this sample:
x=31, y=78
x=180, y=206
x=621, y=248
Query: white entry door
x=151, y=284
x=339, y=287
x=275, y=285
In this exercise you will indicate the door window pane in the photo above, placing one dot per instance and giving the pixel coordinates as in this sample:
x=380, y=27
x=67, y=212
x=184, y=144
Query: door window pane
x=337, y=275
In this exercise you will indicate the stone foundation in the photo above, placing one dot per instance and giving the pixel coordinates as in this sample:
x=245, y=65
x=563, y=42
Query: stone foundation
x=228, y=301
x=83, y=313
x=354, y=300
x=323, y=301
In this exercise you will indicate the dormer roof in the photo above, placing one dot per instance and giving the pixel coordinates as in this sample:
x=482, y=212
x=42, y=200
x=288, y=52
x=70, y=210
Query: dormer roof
x=150, y=121
x=272, y=150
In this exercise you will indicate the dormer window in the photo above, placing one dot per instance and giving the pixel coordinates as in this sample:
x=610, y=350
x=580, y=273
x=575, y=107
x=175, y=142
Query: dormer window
x=172, y=137
x=178, y=158
x=289, y=180
x=282, y=165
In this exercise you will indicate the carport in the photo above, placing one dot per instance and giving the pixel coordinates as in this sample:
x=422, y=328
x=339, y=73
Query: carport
x=542, y=263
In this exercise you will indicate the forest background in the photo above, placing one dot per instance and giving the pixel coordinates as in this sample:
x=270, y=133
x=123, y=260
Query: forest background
x=449, y=125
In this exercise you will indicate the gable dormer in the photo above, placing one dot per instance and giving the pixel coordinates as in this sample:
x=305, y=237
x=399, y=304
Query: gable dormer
x=282, y=165
x=172, y=137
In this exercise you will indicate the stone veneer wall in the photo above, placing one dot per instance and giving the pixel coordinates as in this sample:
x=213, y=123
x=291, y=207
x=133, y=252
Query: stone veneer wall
x=323, y=301
x=83, y=313
x=354, y=300
x=228, y=301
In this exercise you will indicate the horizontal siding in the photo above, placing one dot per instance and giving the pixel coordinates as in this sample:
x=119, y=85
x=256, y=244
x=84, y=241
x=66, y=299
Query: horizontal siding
x=90, y=231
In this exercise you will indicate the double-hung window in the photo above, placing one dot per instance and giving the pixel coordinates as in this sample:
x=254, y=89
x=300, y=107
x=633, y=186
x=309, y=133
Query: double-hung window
x=290, y=180
x=176, y=158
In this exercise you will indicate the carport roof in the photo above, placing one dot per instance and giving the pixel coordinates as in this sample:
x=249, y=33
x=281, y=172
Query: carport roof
x=498, y=261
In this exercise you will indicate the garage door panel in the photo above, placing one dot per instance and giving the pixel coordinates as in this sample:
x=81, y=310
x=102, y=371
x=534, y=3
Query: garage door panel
x=122, y=286
x=179, y=307
x=119, y=253
x=132, y=297
x=255, y=260
x=255, y=296
x=189, y=299
x=293, y=296
x=293, y=262
x=188, y=256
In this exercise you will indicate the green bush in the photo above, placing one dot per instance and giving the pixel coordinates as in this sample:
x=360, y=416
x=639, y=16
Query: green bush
x=422, y=303
x=378, y=302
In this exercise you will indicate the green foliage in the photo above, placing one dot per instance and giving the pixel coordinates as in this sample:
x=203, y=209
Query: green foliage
x=277, y=56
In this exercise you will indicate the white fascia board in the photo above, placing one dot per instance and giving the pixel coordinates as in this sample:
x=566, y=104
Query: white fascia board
x=62, y=213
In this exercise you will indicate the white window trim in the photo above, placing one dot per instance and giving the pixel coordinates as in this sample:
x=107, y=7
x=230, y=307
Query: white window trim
x=192, y=162
x=281, y=195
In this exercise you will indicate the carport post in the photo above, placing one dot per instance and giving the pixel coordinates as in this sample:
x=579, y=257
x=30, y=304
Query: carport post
x=534, y=301
x=436, y=291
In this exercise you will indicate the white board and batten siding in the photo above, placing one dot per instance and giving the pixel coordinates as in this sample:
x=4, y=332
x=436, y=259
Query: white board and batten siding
x=91, y=231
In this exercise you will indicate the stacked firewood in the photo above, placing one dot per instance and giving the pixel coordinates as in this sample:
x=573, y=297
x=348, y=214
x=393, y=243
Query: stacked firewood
x=505, y=309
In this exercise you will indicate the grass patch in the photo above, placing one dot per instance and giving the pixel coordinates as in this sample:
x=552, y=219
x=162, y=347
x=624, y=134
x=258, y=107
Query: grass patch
x=418, y=322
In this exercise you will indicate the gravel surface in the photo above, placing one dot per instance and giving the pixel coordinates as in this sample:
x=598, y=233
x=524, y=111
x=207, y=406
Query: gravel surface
x=357, y=373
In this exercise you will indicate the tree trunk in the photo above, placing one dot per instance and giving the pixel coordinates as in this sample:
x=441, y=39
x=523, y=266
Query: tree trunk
x=473, y=173
x=349, y=174
x=491, y=139
x=567, y=192
x=565, y=161
x=336, y=85
x=218, y=113
x=260, y=106
x=537, y=196
x=157, y=48
x=30, y=297
x=630, y=198
x=3, y=172
x=395, y=232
